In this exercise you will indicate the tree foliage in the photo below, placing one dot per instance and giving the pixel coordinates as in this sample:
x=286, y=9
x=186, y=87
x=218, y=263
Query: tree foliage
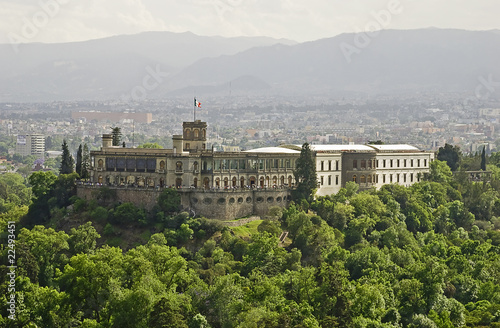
x=305, y=174
x=451, y=155
x=67, y=161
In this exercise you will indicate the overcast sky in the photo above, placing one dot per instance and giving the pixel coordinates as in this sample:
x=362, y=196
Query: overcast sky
x=300, y=20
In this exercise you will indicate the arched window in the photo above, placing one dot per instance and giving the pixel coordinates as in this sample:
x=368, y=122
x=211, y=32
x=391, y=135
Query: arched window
x=195, y=166
x=226, y=182
x=369, y=179
x=204, y=133
x=196, y=133
x=178, y=166
x=162, y=165
x=242, y=182
x=234, y=182
x=206, y=183
x=195, y=182
x=100, y=163
x=354, y=178
x=362, y=180
x=178, y=182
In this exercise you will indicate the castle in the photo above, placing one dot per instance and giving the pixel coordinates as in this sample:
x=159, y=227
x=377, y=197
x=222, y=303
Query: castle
x=227, y=185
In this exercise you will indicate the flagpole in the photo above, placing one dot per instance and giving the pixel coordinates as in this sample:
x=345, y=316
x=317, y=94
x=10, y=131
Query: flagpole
x=194, y=110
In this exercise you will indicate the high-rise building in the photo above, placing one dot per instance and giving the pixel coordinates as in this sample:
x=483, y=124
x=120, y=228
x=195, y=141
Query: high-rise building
x=31, y=144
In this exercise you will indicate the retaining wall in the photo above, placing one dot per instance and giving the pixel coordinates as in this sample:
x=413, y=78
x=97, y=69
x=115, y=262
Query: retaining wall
x=212, y=204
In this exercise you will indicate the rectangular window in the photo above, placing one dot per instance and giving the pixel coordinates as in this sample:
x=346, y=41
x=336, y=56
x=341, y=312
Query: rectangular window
x=398, y=163
x=404, y=163
x=355, y=164
x=411, y=177
x=383, y=178
x=337, y=180
x=397, y=177
x=321, y=180
x=322, y=166
x=390, y=178
x=363, y=164
x=391, y=163
x=370, y=164
x=383, y=162
x=418, y=162
x=411, y=163
x=329, y=180
x=336, y=165
x=425, y=163
x=404, y=178
x=329, y=165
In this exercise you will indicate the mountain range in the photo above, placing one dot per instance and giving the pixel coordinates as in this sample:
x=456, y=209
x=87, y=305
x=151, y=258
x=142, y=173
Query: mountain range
x=164, y=64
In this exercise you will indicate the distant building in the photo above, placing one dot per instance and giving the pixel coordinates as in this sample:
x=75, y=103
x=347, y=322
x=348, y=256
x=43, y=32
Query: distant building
x=31, y=144
x=113, y=116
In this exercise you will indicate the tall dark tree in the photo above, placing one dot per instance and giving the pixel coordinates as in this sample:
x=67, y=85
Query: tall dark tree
x=85, y=162
x=305, y=174
x=451, y=155
x=67, y=160
x=78, y=167
x=117, y=136
x=483, y=159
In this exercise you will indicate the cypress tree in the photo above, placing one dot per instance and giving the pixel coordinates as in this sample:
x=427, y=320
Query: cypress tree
x=67, y=160
x=117, y=136
x=85, y=162
x=305, y=174
x=483, y=159
x=79, y=161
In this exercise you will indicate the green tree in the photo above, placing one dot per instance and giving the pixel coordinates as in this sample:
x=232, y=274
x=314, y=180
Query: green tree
x=440, y=172
x=451, y=155
x=67, y=160
x=305, y=174
x=78, y=166
x=117, y=135
x=483, y=159
x=83, y=239
x=169, y=200
x=85, y=163
x=41, y=182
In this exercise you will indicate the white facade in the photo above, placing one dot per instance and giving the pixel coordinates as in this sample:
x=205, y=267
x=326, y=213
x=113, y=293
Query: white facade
x=31, y=144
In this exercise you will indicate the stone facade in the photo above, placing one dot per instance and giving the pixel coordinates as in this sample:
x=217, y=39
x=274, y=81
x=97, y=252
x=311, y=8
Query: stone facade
x=207, y=178
x=212, y=204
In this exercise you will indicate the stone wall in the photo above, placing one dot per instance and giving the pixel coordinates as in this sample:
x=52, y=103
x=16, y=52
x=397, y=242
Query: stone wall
x=212, y=204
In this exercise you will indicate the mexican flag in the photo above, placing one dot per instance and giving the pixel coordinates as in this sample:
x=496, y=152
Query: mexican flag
x=197, y=103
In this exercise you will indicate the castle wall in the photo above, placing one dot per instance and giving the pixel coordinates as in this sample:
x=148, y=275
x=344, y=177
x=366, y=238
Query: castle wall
x=212, y=204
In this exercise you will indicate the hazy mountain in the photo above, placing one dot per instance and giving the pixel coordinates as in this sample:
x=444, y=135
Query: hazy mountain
x=394, y=61
x=390, y=62
x=109, y=67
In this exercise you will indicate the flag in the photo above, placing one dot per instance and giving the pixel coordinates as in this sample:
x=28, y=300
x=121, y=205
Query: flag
x=197, y=103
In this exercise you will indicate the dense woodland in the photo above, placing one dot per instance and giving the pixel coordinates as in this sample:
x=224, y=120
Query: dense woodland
x=423, y=256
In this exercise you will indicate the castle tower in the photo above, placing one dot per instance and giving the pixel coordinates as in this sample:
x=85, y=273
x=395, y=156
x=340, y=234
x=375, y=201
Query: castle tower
x=194, y=136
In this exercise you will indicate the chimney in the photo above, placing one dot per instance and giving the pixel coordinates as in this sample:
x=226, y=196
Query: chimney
x=178, y=144
x=107, y=140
